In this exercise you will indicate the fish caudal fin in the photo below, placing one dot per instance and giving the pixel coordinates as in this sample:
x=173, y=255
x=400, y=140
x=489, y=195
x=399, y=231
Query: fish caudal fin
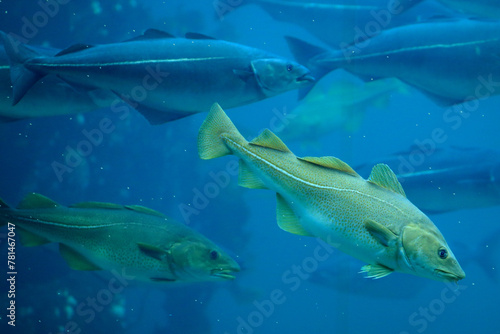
x=210, y=142
x=304, y=53
x=22, y=78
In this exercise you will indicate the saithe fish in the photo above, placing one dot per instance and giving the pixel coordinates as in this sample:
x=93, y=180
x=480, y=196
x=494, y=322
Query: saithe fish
x=371, y=220
x=163, y=77
x=50, y=96
x=105, y=236
x=451, y=61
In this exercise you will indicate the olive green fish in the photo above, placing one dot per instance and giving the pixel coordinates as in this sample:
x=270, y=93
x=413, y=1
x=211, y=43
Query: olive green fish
x=324, y=197
x=105, y=236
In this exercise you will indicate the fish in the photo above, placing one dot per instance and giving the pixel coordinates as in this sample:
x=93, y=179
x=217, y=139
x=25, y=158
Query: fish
x=48, y=97
x=340, y=104
x=449, y=60
x=323, y=197
x=148, y=245
x=337, y=22
x=478, y=8
x=163, y=77
x=446, y=179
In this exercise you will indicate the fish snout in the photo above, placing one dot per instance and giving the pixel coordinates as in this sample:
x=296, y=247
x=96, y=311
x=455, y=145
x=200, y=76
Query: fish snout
x=305, y=78
x=225, y=273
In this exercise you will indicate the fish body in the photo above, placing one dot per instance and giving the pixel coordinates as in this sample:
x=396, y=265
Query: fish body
x=448, y=179
x=104, y=236
x=50, y=96
x=323, y=197
x=163, y=77
x=450, y=61
x=479, y=8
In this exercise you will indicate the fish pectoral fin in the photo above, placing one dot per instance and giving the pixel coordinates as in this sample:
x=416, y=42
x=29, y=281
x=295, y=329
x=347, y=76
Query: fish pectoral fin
x=152, y=251
x=76, y=260
x=248, y=179
x=268, y=139
x=244, y=74
x=30, y=239
x=37, y=201
x=381, y=233
x=145, y=210
x=384, y=177
x=330, y=162
x=287, y=219
x=375, y=271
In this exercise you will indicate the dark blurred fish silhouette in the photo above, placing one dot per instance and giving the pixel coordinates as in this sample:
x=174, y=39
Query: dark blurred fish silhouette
x=163, y=77
x=48, y=97
x=479, y=8
x=342, y=21
x=450, y=179
x=449, y=60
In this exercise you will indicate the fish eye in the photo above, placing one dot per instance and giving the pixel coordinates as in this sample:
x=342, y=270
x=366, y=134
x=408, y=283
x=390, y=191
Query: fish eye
x=214, y=255
x=289, y=67
x=443, y=253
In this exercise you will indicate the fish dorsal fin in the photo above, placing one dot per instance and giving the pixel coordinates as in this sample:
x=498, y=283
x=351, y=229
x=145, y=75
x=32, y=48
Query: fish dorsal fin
x=76, y=260
x=97, y=205
x=375, y=271
x=268, y=139
x=383, y=176
x=37, y=201
x=151, y=34
x=152, y=251
x=73, y=48
x=381, y=233
x=248, y=179
x=287, y=219
x=143, y=209
x=331, y=162
x=195, y=35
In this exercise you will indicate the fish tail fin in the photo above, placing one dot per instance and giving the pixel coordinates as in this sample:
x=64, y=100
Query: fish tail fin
x=210, y=143
x=305, y=53
x=22, y=78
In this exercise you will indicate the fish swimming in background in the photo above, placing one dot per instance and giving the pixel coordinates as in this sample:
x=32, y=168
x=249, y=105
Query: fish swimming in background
x=446, y=179
x=163, y=77
x=338, y=105
x=105, y=236
x=449, y=60
x=50, y=96
x=371, y=220
x=478, y=8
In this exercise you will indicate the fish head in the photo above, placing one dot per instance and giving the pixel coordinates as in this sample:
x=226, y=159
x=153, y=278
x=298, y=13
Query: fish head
x=428, y=255
x=275, y=75
x=201, y=260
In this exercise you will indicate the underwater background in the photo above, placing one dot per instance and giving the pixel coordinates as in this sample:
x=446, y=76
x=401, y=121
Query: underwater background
x=158, y=167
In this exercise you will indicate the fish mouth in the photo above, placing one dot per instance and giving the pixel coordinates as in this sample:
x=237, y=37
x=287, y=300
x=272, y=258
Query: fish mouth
x=305, y=78
x=451, y=277
x=224, y=273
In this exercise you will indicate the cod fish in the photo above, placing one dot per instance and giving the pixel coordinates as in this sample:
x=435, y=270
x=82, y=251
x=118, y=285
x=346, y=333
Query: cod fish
x=50, y=96
x=163, y=77
x=449, y=60
x=371, y=220
x=105, y=236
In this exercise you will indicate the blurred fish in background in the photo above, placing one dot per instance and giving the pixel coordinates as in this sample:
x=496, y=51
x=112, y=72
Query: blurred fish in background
x=338, y=104
x=446, y=179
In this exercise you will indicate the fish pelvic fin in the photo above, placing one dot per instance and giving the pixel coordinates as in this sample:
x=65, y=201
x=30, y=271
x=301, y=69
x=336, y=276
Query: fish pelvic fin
x=21, y=78
x=210, y=137
x=375, y=271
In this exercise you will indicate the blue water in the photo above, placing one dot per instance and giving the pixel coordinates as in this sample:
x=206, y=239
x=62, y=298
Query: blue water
x=158, y=167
